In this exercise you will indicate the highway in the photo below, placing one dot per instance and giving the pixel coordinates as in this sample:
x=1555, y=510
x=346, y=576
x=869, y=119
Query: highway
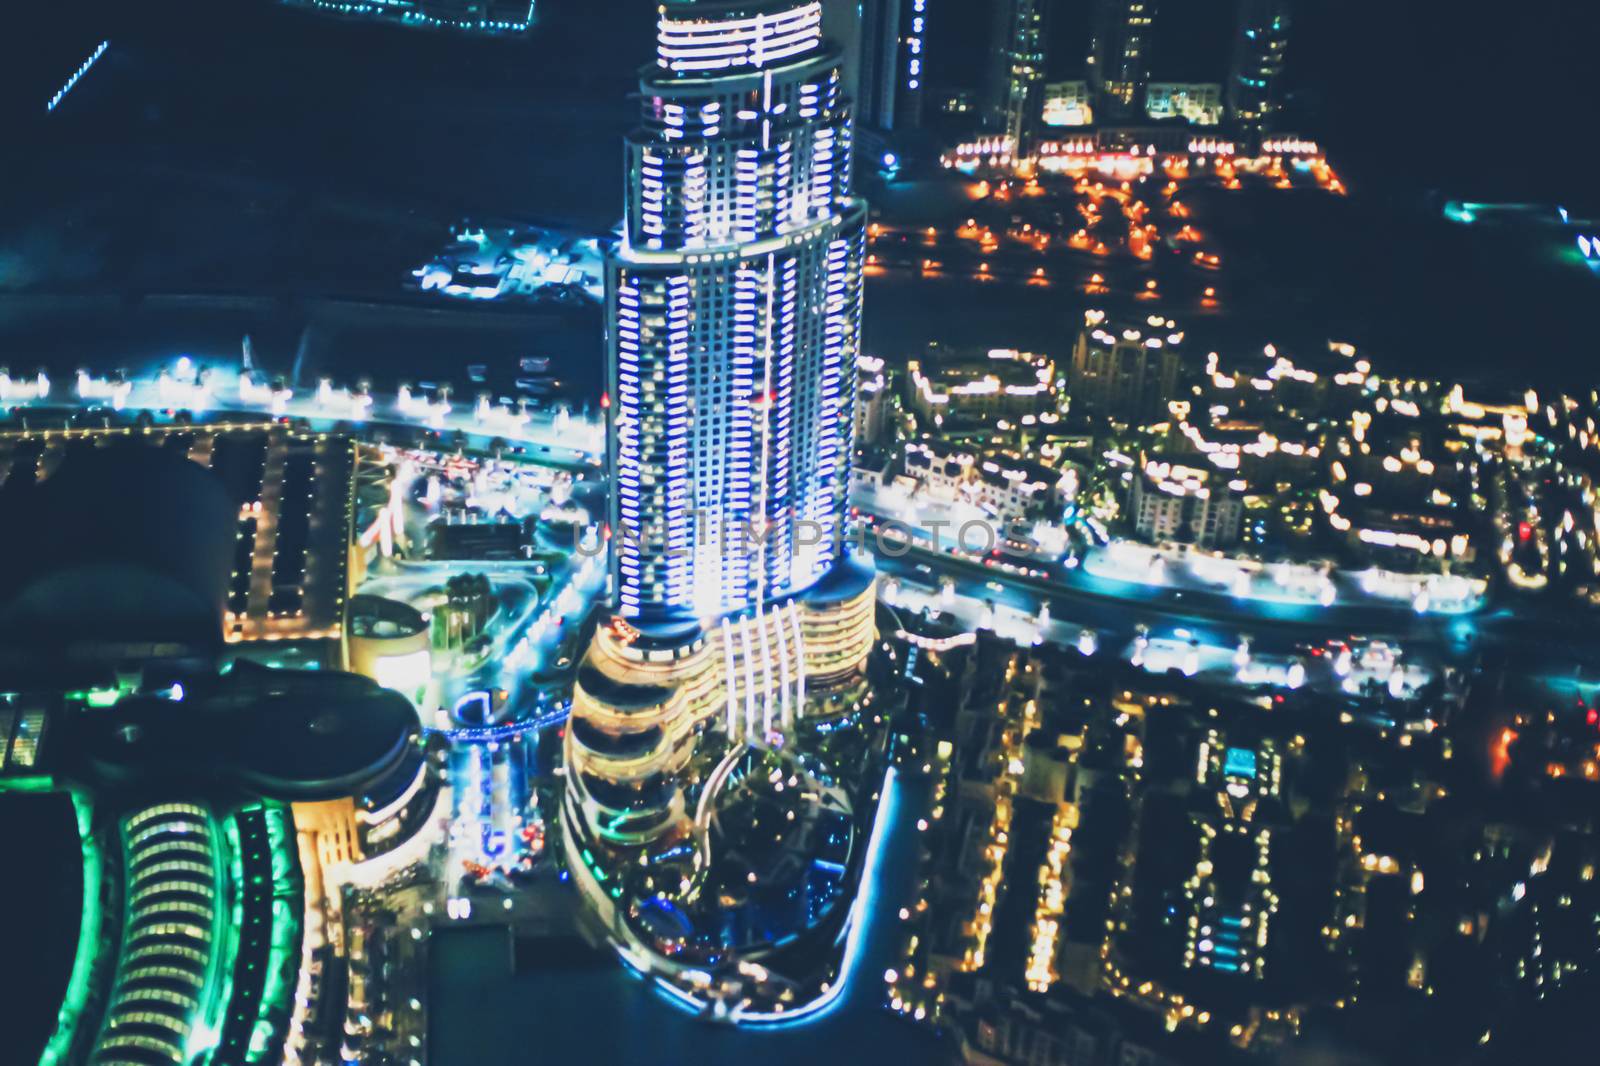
x=1113, y=607
x=1538, y=637
x=555, y=436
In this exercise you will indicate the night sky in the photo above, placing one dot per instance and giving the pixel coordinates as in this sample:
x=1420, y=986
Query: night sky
x=1488, y=100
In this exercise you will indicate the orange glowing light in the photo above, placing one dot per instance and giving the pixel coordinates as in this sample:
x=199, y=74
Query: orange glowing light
x=1500, y=753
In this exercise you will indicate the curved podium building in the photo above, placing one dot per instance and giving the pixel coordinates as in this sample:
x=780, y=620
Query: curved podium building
x=645, y=699
x=735, y=322
x=209, y=814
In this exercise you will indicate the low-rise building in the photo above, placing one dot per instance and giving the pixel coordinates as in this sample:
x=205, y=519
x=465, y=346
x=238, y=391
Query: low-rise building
x=1403, y=494
x=1005, y=383
x=1067, y=103
x=1125, y=371
x=872, y=402
x=1174, y=501
x=1197, y=102
x=1001, y=485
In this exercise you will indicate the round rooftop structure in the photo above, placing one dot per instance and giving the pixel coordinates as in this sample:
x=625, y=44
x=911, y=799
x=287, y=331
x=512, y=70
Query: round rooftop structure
x=286, y=734
x=378, y=618
x=122, y=549
x=390, y=642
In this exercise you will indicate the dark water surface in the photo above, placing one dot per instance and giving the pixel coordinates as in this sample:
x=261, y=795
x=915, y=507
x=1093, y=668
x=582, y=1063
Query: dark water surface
x=574, y=1004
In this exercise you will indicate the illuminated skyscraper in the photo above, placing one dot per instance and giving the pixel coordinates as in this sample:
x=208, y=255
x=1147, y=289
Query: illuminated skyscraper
x=1017, y=69
x=1260, y=43
x=735, y=303
x=1119, y=61
x=735, y=314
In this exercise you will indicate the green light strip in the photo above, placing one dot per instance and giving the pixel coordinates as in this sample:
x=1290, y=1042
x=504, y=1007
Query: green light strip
x=206, y=1030
x=256, y=1032
x=283, y=958
x=87, y=959
x=284, y=896
x=28, y=784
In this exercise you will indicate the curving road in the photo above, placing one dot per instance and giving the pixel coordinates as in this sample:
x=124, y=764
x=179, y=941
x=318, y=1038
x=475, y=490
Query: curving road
x=1118, y=607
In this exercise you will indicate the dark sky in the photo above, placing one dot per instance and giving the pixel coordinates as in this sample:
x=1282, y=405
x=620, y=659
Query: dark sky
x=1489, y=100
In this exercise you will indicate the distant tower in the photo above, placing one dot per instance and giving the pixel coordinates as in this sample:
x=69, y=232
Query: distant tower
x=913, y=65
x=1119, y=61
x=1260, y=43
x=883, y=42
x=1017, y=70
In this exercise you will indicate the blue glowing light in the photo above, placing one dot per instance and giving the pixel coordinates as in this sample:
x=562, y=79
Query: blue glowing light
x=1240, y=762
x=851, y=967
x=55, y=101
x=507, y=730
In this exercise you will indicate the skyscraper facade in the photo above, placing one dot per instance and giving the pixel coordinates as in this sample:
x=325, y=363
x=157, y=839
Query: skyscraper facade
x=1127, y=370
x=913, y=64
x=1017, y=69
x=1260, y=44
x=1119, y=55
x=735, y=303
x=883, y=45
x=735, y=320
